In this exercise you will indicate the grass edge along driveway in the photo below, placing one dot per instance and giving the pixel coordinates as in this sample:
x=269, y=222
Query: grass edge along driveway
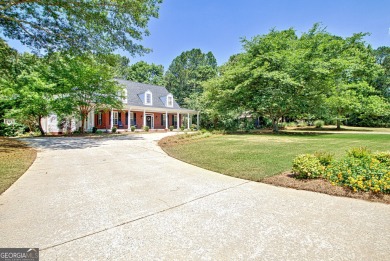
x=255, y=157
x=15, y=158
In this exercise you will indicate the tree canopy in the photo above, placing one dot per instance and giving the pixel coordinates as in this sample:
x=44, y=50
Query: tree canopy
x=281, y=74
x=100, y=26
x=145, y=73
x=187, y=72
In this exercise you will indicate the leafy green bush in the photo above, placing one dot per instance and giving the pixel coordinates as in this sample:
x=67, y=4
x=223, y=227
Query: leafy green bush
x=325, y=158
x=146, y=128
x=302, y=124
x=114, y=129
x=359, y=153
x=11, y=130
x=319, y=124
x=292, y=124
x=132, y=128
x=193, y=127
x=282, y=125
x=360, y=170
x=171, y=128
x=99, y=132
x=182, y=127
x=383, y=157
x=364, y=174
x=307, y=166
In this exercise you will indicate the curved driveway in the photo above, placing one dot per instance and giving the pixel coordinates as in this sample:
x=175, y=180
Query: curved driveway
x=123, y=198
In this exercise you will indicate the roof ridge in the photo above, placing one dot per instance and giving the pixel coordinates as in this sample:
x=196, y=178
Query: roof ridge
x=148, y=84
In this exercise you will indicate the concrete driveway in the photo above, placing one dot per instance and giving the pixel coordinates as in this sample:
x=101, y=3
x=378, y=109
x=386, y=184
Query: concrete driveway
x=124, y=199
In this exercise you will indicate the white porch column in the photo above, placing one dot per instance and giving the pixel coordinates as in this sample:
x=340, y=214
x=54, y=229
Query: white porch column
x=93, y=119
x=144, y=119
x=197, y=120
x=166, y=120
x=128, y=119
x=112, y=119
x=178, y=121
x=188, y=121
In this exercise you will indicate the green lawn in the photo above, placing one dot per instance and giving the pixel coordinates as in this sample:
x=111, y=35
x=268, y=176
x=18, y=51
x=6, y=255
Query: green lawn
x=15, y=159
x=255, y=157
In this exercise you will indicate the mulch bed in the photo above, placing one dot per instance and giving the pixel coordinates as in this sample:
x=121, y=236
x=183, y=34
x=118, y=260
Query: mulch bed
x=323, y=186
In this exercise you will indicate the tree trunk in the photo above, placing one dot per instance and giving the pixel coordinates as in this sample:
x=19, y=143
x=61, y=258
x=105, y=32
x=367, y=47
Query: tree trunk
x=338, y=124
x=40, y=126
x=275, y=125
x=83, y=116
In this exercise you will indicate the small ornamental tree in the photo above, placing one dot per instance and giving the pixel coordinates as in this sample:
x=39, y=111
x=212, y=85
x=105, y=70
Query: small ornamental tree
x=84, y=85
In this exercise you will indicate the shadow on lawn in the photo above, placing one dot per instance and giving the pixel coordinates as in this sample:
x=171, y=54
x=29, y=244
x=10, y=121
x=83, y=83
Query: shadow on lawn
x=66, y=142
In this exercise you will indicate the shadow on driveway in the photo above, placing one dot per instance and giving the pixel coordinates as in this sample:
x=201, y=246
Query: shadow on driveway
x=66, y=143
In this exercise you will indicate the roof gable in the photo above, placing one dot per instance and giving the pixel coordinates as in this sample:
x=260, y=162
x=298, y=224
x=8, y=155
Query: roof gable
x=136, y=94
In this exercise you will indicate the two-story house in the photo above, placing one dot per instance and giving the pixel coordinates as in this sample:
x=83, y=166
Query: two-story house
x=143, y=105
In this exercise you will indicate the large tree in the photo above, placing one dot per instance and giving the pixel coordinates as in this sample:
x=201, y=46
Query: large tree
x=281, y=74
x=83, y=84
x=382, y=55
x=145, y=73
x=30, y=93
x=187, y=71
x=101, y=26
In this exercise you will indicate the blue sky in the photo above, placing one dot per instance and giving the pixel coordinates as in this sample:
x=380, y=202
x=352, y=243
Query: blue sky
x=218, y=25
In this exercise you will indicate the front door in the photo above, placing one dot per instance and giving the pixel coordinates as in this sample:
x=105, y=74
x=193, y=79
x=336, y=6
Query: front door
x=149, y=119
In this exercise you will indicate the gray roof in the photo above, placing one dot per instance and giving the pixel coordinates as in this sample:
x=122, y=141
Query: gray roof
x=136, y=91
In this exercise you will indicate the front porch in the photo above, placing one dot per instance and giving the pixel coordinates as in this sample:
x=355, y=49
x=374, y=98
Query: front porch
x=154, y=119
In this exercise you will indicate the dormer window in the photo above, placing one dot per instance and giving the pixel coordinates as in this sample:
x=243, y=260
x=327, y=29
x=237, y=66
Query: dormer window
x=169, y=100
x=148, y=98
x=124, y=100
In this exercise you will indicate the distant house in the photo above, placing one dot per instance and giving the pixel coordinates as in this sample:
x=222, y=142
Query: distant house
x=143, y=105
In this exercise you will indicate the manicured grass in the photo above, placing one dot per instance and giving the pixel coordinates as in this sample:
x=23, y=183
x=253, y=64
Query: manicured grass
x=255, y=157
x=332, y=128
x=15, y=159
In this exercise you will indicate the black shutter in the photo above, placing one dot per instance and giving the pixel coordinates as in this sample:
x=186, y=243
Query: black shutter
x=135, y=119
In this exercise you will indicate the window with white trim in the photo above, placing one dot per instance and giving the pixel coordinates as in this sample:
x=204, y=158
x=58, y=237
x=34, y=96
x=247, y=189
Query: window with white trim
x=99, y=118
x=169, y=100
x=115, y=118
x=148, y=98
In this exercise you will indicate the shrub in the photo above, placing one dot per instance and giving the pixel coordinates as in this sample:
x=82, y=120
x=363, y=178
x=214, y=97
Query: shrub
x=292, y=124
x=94, y=129
x=302, y=124
x=364, y=174
x=307, y=166
x=219, y=132
x=182, y=127
x=282, y=125
x=99, y=132
x=132, y=128
x=359, y=153
x=359, y=170
x=11, y=130
x=325, y=158
x=171, y=128
x=383, y=157
x=114, y=129
x=193, y=127
x=319, y=124
x=146, y=128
